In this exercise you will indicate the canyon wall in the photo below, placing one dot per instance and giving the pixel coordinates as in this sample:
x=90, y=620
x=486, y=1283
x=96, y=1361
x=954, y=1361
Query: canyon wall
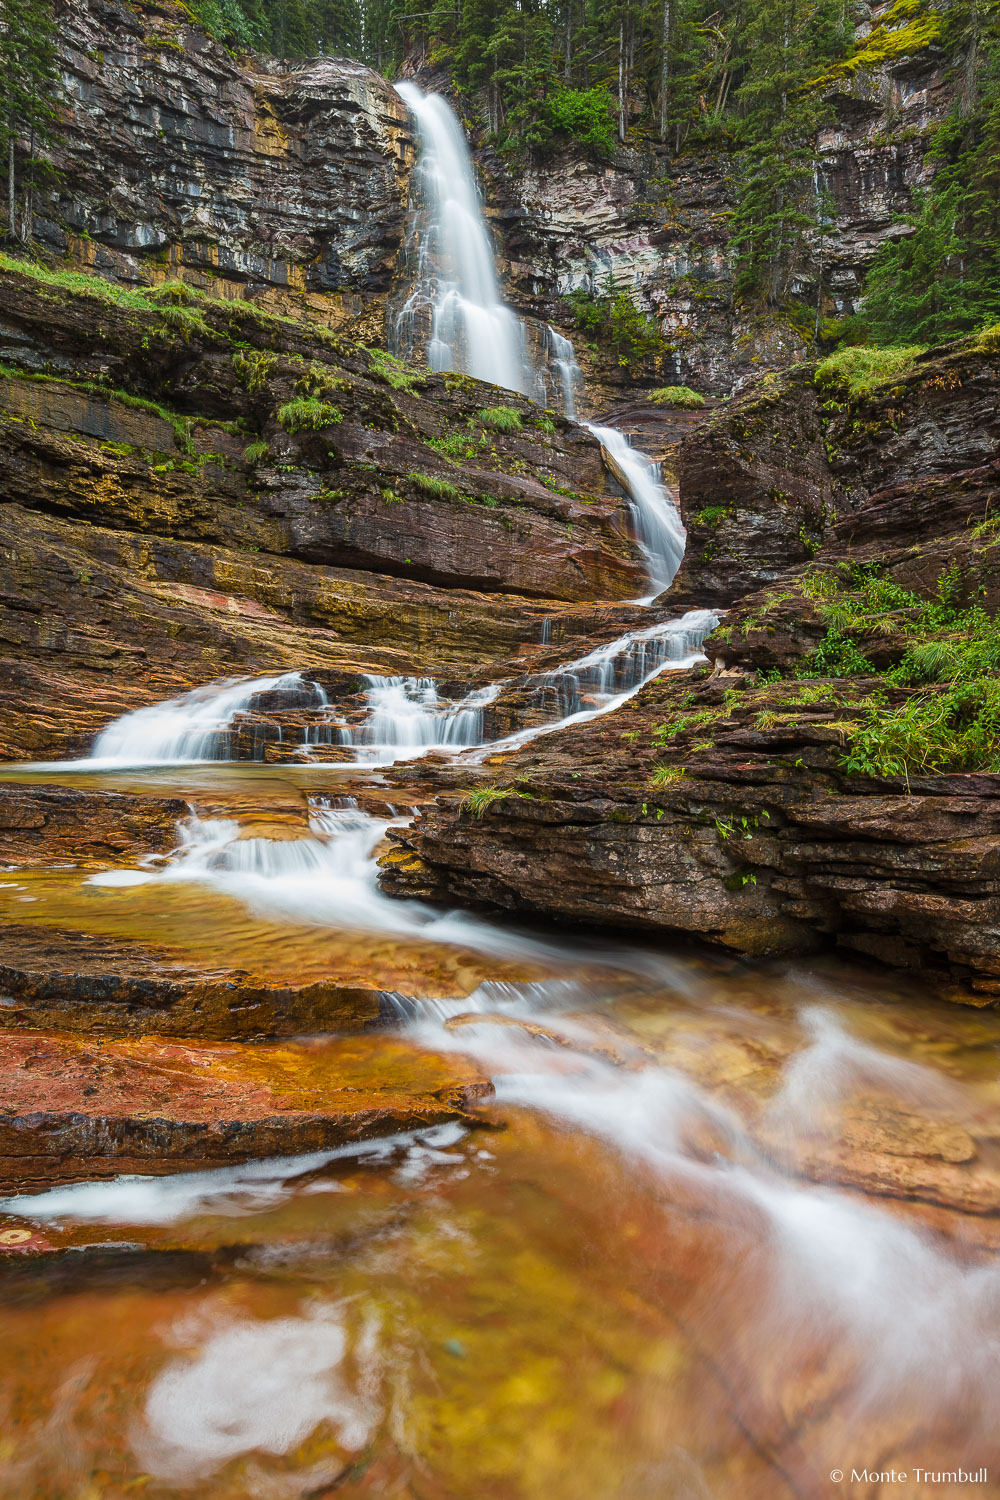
x=288, y=185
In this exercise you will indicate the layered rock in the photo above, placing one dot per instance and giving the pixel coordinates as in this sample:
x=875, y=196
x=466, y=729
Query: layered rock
x=151, y=547
x=71, y=1108
x=723, y=807
x=661, y=221
x=285, y=185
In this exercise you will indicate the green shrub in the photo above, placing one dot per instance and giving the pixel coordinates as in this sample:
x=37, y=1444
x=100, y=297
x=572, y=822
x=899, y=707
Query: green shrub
x=308, y=414
x=677, y=395
x=835, y=656
x=613, y=323
x=586, y=116
x=500, y=418
x=857, y=371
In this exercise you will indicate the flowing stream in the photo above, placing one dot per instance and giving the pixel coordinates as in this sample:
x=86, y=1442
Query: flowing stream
x=719, y=1230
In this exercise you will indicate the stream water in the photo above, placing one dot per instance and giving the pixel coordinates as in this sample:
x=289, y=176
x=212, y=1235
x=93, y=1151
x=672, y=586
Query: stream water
x=721, y=1231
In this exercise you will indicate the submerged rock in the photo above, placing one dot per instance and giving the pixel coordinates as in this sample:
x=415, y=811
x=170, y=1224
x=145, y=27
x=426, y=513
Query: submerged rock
x=73, y=1109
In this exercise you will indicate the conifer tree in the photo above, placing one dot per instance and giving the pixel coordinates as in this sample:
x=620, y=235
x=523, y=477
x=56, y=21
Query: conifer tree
x=28, y=89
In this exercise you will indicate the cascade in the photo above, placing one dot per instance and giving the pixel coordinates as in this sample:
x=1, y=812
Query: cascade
x=658, y=524
x=197, y=725
x=618, y=670
x=406, y=717
x=570, y=376
x=455, y=290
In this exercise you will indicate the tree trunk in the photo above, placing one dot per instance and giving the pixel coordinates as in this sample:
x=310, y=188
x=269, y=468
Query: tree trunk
x=621, y=80
x=665, y=70
x=10, y=182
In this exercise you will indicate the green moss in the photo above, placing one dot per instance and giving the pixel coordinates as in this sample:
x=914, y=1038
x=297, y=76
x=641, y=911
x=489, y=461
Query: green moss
x=712, y=515
x=394, y=372
x=308, y=414
x=681, y=396
x=858, y=372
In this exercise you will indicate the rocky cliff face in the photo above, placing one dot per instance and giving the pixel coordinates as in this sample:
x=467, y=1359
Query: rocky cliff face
x=196, y=484
x=286, y=186
x=289, y=186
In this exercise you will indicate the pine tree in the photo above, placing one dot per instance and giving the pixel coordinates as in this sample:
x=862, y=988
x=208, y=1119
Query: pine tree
x=943, y=278
x=784, y=44
x=29, y=89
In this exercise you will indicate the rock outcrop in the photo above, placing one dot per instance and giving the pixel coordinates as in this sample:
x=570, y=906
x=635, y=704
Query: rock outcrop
x=284, y=185
x=725, y=806
x=71, y=1108
x=189, y=484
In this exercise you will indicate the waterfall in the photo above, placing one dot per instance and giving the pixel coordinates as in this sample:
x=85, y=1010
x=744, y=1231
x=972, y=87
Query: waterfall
x=455, y=289
x=404, y=717
x=658, y=524
x=619, y=669
x=456, y=284
x=196, y=726
x=563, y=357
x=610, y=675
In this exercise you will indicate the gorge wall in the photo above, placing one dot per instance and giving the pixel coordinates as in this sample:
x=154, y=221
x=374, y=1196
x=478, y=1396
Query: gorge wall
x=288, y=185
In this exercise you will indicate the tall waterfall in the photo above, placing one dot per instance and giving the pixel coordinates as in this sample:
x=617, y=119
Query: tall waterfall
x=455, y=292
x=456, y=284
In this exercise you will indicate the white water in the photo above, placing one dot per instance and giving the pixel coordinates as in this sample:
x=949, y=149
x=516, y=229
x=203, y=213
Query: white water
x=195, y=726
x=610, y=675
x=472, y=330
x=563, y=359
x=407, y=717
x=658, y=524
x=456, y=285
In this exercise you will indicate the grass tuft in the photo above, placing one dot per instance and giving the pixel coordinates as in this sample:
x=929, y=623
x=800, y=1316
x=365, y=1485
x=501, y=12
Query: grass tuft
x=681, y=396
x=500, y=418
x=482, y=797
x=856, y=371
x=308, y=414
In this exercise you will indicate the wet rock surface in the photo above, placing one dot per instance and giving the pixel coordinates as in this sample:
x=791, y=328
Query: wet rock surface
x=71, y=1109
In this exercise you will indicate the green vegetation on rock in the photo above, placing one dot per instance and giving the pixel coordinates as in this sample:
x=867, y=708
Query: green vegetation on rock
x=500, y=418
x=308, y=414
x=681, y=396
